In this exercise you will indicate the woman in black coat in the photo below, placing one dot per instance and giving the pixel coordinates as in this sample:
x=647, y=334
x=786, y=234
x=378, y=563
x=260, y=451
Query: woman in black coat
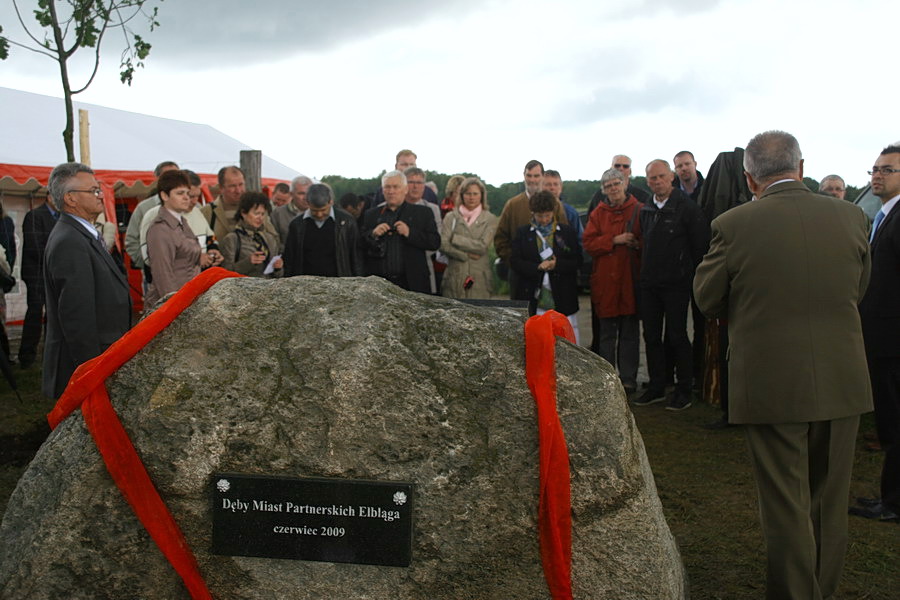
x=545, y=257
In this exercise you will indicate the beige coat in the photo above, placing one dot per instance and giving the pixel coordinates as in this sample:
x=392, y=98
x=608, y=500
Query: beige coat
x=458, y=240
x=173, y=252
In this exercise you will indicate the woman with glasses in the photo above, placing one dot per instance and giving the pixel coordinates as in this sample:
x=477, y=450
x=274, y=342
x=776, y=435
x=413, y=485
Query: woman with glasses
x=613, y=239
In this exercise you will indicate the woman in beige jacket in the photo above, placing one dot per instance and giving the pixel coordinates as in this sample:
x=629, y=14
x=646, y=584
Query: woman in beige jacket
x=467, y=233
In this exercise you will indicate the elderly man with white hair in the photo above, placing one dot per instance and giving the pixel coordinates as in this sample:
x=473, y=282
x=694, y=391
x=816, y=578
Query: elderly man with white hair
x=395, y=234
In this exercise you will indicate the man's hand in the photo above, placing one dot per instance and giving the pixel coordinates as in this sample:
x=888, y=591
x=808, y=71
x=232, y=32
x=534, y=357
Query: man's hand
x=402, y=228
x=205, y=260
x=216, y=257
x=381, y=229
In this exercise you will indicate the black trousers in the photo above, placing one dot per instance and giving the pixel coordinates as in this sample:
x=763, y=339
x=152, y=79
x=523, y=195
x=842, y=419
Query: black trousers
x=664, y=310
x=34, y=321
x=885, y=376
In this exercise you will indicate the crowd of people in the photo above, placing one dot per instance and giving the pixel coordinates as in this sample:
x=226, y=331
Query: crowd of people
x=784, y=275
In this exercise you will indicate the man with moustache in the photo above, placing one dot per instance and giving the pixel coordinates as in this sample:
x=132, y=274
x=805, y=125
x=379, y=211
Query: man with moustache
x=88, y=301
x=834, y=186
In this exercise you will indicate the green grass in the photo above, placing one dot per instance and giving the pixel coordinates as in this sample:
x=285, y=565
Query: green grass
x=704, y=482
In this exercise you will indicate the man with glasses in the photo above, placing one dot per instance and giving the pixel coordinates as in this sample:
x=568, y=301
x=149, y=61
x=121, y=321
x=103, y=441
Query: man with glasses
x=622, y=164
x=788, y=270
x=415, y=192
x=88, y=301
x=833, y=185
x=880, y=312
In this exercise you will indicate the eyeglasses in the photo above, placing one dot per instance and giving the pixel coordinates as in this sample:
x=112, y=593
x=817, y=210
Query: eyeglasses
x=95, y=191
x=622, y=165
x=883, y=170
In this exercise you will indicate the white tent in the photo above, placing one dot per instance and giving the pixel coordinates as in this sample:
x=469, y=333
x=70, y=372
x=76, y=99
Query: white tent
x=125, y=147
x=31, y=129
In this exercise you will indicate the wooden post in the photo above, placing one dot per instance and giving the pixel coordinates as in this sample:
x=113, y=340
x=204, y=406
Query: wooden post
x=84, y=136
x=251, y=165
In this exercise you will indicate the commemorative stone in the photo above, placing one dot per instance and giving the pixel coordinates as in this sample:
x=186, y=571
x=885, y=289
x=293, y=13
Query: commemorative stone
x=342, y=438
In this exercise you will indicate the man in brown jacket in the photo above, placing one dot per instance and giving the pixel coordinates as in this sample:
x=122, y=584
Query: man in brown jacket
x=788, y=270
x=516, y=213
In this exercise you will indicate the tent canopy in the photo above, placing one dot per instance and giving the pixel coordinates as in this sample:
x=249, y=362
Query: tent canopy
x=121, y=141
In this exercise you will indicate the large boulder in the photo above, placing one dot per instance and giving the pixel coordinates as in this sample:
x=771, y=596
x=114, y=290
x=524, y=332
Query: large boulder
x=357, y=379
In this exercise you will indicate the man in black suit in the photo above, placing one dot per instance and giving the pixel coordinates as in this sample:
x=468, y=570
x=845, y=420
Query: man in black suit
x=675, y=235
x=395, y=234
x=35, y=231
x=880, y=312
x=88, y=304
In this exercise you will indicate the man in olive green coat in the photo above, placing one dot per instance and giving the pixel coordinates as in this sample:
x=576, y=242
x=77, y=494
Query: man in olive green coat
x=788, y=270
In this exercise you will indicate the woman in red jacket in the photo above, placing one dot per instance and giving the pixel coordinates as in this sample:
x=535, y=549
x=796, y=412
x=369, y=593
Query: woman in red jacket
x=613, y=238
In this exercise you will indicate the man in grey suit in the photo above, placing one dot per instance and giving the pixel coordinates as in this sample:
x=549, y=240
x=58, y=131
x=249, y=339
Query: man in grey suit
x=788, y=270
x=88, y=303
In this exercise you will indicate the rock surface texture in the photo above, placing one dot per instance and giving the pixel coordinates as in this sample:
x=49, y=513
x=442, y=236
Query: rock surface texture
x=349, y=378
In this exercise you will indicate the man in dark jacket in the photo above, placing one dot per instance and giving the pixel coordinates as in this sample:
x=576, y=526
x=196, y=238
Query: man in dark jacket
x=35, y=231
x=323, y=240
x=88, y=300
x=394, y=236
x=880, y=313
x=675, y=238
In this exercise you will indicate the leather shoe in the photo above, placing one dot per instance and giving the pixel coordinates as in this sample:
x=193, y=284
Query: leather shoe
x=878, y=512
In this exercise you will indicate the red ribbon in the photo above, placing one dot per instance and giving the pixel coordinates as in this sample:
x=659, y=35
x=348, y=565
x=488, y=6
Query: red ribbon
x=87, y=390
x=555, y=506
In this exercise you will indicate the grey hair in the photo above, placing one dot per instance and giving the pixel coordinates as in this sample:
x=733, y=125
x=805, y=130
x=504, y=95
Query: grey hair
x=60, y=178
x=300, y=180
x=832, y=177
x=319, y=195
x=770, y=154
x=391, y=175
x=414, y=171
x=610, y=174
x=658, y=161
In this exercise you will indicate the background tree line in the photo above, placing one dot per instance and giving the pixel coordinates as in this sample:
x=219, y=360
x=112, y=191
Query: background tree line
x=577, y=193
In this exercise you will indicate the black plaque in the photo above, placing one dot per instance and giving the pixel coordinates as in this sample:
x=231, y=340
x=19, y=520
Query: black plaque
x=333, y=520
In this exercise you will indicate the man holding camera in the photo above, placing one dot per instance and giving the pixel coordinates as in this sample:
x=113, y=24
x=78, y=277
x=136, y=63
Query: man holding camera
x=395, y=234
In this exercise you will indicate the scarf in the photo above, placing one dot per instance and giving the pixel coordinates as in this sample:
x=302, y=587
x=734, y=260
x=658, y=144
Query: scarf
x=469, y=215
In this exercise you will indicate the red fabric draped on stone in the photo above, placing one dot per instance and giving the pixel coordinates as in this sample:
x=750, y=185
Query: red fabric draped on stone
x=87, y=390
x=555, y=508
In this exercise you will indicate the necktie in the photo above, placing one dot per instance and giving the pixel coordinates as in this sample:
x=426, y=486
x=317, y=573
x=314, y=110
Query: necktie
x=879, y=217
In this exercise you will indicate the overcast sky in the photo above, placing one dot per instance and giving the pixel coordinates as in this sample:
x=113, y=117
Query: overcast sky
x=483, y=86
